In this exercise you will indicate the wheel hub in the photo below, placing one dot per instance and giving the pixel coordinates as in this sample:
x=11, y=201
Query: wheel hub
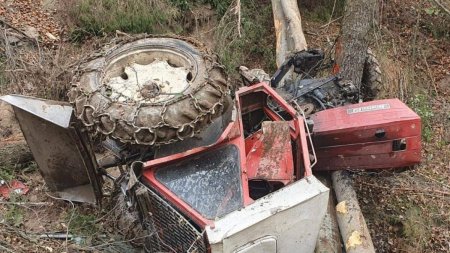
x=154, y=82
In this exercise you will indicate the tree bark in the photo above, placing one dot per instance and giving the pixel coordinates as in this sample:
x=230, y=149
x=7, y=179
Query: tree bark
x=295, y=37
x=351, y=50
x=351, y=47
x=329, y=239
x=354, y=231
x=288, y=29
x=280, y=32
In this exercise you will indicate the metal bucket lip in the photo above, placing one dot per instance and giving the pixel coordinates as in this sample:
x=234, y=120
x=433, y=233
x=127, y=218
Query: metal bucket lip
x=56, y=112
x=59, y=146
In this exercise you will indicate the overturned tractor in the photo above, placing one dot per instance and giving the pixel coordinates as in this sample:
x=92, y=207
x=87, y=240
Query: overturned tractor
x=210, y=169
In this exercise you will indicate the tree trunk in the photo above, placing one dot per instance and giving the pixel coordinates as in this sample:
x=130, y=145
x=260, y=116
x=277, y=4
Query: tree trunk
x=351, y=47
x=351, y=50
x=288, y=29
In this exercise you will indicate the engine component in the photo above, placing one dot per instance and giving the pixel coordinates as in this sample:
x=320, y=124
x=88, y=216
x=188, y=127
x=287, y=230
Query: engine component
x=304, y=62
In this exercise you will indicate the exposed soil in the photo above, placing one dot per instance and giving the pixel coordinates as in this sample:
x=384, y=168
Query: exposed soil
x=406, y=211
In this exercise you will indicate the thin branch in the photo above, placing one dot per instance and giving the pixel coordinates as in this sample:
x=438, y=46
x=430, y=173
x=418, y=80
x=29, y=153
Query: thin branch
x=330, y=22
x=442, y=6
x=15, y=29
x=70, y=220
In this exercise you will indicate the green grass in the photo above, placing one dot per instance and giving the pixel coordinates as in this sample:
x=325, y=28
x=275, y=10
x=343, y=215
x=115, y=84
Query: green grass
x=81, y=224
x=420, y=103
x=98, y=17
x=14, y=214
x=7, y=173
x=256, y=46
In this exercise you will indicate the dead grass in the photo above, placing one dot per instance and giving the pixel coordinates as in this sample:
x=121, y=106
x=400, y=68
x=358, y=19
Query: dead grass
x=27, y=227
x=36, y=70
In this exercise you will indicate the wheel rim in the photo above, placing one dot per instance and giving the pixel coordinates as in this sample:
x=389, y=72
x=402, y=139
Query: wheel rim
x=148, y=76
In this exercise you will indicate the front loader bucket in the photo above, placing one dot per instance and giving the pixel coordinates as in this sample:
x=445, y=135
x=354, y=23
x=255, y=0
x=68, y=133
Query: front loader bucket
x=60, y=147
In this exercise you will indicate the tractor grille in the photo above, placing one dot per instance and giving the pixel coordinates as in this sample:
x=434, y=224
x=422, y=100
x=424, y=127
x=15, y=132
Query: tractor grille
x=168, y=230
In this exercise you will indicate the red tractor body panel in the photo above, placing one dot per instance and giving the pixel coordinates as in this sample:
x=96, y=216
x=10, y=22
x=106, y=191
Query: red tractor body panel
x=370, y=135
x=267, y=154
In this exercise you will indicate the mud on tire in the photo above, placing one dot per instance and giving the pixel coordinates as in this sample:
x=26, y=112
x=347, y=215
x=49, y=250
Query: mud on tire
x=151, y=117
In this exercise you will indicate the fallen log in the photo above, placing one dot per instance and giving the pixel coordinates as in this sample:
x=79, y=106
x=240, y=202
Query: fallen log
x=329, y=240
x=353, y=227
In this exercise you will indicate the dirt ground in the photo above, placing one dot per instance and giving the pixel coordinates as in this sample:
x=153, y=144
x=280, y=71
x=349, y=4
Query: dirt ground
x=406, y=210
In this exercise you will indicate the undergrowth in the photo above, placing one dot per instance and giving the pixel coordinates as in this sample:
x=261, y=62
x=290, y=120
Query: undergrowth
x=321, y=10
x=98, y=17
x=420, y=103
x=81, y=224
x=7, y=173
x=14, y=214
x=255, y=45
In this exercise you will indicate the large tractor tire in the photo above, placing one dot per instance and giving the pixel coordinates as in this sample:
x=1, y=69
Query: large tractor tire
x=150, y=91
x=371, y=82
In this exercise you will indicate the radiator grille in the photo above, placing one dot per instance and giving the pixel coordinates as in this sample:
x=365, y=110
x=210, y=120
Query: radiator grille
x=168, y=230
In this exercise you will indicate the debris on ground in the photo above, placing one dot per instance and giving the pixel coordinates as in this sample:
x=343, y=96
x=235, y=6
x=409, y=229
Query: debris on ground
x=30, y=19
x=12, y=187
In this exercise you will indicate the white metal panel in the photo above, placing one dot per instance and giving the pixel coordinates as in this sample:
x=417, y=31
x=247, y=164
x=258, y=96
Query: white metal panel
x=292, y=215
x=56, y=112
x=266, y=244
